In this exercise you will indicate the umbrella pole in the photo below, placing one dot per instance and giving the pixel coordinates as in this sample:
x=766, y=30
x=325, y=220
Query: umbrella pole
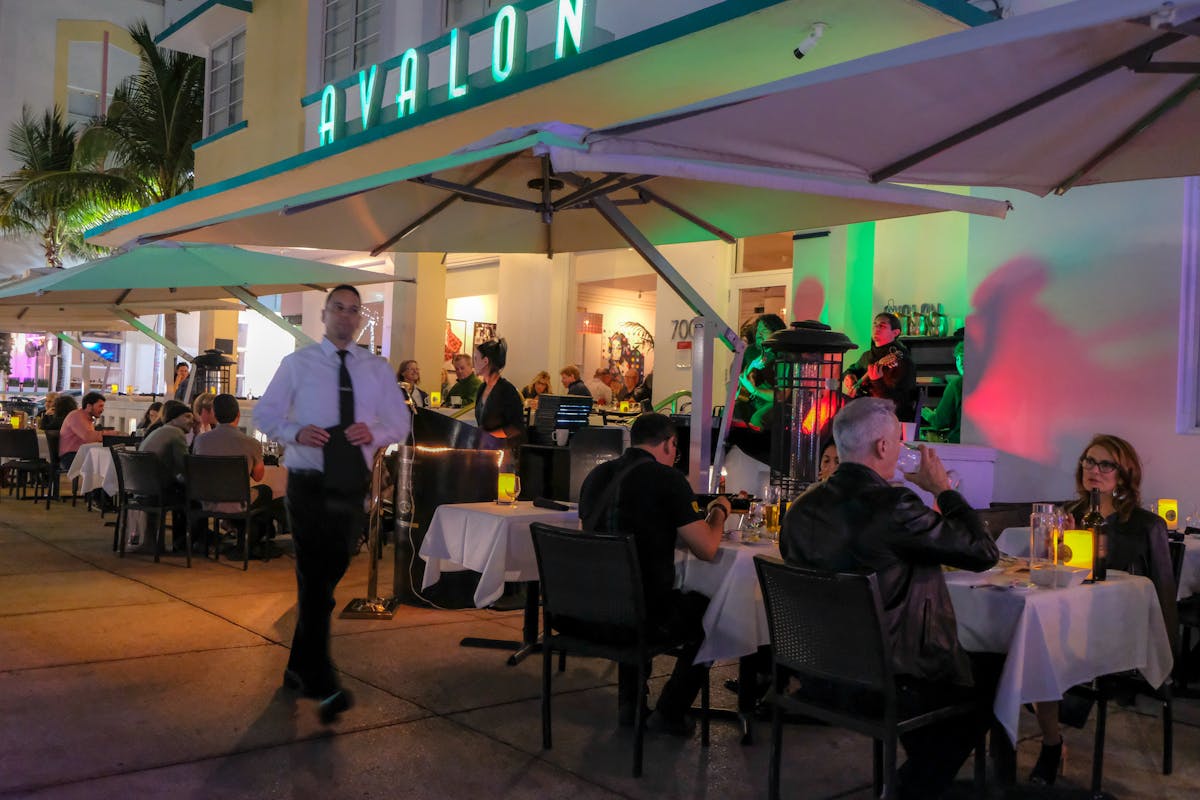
x=302, y=338
x=711, y=328
x=78, y=345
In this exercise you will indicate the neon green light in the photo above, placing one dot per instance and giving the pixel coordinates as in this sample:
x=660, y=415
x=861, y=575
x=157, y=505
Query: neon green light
x=508, y=43
x=412, y=77
x=333, y=118
x=574, y=17
x=459, y=52
x=370, y=95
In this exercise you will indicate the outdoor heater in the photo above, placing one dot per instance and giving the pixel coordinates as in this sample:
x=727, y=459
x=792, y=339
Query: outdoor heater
x=808, y=375
x=213, y=373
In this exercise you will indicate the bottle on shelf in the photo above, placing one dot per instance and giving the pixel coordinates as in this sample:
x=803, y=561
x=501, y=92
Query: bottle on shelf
x=1093, y=521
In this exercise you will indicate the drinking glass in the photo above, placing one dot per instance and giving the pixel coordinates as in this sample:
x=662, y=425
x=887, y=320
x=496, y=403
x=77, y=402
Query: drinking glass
x=909, y=460
x=772, y=511
x=752, y=523
x=508, y=489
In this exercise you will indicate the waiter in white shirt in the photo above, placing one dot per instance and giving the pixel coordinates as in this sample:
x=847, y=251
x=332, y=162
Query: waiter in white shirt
x=332, y=404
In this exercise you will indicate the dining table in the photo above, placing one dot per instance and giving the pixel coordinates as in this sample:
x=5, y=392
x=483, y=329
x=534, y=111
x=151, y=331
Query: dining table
x=93, y=466
x=494, y=540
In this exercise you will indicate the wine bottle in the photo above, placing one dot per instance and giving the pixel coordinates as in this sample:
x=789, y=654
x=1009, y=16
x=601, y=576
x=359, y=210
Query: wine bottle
x=1094, y=521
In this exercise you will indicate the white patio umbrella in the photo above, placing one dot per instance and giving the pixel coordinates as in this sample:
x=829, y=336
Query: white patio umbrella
x=1088, y=92
x=540, y=189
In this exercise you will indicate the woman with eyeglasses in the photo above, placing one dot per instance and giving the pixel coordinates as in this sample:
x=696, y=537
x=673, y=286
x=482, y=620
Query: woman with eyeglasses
x=1137, y=543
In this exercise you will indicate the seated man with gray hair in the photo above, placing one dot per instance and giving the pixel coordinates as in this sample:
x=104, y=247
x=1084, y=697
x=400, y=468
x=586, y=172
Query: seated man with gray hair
x=226, y=439
x=856, y=521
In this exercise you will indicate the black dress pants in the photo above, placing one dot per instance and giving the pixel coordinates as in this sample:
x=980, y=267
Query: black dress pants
x=682, y=619
x=325, y=530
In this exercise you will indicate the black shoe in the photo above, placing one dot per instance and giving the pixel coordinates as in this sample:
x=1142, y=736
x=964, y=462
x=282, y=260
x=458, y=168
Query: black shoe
x=332, y=706
x=683, y=727
x=1049, y=765
x=294, y=681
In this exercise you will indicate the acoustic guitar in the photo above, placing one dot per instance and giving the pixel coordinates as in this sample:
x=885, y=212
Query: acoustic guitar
x=889, y=360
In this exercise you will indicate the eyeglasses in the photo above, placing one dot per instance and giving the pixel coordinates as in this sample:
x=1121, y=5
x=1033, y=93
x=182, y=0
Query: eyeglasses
x=1105, y=467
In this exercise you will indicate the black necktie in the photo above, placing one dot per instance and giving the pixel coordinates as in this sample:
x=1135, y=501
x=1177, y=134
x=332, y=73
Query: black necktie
x=345, y=392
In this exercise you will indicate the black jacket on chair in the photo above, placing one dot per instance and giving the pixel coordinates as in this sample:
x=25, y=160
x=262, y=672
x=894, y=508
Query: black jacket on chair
x=856, y=521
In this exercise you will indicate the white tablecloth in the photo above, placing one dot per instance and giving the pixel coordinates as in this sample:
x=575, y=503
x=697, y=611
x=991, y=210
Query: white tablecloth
x=489, y=538
x=1056, y=638
x=735, y=623
x=94, y=467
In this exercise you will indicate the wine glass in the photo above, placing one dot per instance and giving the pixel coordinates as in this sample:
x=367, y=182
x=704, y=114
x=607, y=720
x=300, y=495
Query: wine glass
x=752, y=523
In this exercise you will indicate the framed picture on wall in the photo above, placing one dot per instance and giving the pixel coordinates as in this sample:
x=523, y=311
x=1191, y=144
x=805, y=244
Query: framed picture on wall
x=484, y=332
x=456, y=340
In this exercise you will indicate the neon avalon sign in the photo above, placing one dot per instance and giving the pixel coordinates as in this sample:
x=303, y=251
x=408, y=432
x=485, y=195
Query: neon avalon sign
x=575, y=22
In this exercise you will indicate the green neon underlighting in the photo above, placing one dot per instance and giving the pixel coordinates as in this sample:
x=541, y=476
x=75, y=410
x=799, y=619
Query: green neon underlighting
x=459, y=52
x=412, y=69
x=570, y=22
x=508, y=43
x=329, y=130
x=370, y=91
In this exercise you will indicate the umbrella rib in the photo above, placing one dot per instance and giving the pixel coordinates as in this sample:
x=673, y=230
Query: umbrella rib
x=472, y=191
x=1169, y=68
x=1129, y=58
x=589, y=188
x=587, y=192
x=121, y=297
x=22, y=312
x=491, y=170
x=1130, y=133
x=689, y=216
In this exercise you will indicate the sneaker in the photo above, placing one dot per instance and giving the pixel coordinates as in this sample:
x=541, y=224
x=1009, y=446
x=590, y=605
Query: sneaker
x=332, y=706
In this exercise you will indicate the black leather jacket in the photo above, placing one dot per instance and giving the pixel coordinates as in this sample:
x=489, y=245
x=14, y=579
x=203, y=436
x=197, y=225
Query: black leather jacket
x=856, y=521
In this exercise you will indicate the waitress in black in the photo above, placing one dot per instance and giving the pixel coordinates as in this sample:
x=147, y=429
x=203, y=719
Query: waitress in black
x=498, y=406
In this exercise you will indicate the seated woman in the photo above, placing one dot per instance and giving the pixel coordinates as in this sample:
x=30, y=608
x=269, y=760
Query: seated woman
x=829, y=460
x=538, y=386
x=1137, y=543
x=149, y=418
x=409, y=377
x=946, y=420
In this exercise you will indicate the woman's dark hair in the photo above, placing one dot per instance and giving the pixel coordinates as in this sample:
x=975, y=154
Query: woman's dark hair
x=774, y=322
x=1128, y=494
x=403, y=367
x=64, y=405
x=155, y=406
x=496, y=352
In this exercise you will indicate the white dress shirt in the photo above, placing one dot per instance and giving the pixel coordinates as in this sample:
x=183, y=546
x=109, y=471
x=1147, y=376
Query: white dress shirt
x=304, y=391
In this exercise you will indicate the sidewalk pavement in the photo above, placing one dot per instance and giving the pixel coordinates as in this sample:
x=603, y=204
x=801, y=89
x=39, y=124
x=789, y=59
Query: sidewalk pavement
x=122, y=677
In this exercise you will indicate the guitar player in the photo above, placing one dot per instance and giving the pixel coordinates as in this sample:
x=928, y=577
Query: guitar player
x=885, y=370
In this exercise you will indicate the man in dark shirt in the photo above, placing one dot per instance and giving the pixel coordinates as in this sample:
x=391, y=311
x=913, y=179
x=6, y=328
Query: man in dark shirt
x=642, y=494
x=572, y=381
x=856, y=521
x=886, y=369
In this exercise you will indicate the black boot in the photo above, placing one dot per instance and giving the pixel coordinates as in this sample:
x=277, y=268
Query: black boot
x=1049, y=765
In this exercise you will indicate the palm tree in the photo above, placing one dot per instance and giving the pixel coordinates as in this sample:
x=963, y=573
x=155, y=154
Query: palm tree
x=55, y=195
x=154, y=119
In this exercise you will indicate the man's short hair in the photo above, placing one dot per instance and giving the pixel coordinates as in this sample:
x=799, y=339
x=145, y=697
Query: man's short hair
x=343, y=287
x=173, y=409
x=90, y=399
x=891, y=318
x=225, y=407
x=571, y=371
x=651, y=428
x=861, y=423
x=460, y=358
x=203, y=402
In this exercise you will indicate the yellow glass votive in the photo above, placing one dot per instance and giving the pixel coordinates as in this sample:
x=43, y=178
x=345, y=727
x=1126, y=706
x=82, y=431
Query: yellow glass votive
x=1168, y=509
x=14, y=421
x=1076, y=549
x=506, y=488
x=435, y=399
x=116, y=389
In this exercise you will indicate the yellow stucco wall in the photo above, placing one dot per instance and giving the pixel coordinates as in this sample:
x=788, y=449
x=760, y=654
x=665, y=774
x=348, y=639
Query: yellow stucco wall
x=82, y=30
x=276, y=34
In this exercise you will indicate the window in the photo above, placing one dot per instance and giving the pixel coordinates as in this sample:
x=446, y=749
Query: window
x=226, y=82
x=460, y=12
x=352, y=32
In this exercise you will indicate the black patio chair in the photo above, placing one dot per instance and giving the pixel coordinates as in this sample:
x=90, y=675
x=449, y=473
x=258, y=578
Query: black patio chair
x=808, y=614
x=595, y=580
x=25, y=464
x=210, y=480
x=143, y=485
